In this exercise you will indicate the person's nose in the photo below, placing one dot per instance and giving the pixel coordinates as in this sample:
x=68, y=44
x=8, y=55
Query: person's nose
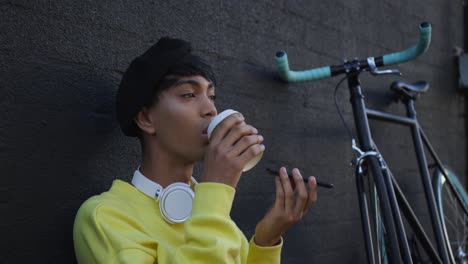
x=208, y=107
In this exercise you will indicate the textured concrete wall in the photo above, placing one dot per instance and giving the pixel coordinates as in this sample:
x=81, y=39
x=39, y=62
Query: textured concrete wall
x=61, y=62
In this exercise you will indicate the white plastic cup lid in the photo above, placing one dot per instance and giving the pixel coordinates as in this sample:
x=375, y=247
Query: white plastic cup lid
x=218, y=119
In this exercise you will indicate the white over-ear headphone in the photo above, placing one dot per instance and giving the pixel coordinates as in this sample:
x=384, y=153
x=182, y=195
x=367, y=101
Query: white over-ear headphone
x=175, y=201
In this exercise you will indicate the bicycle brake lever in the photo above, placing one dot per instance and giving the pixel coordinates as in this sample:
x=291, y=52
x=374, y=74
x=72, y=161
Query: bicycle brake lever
x=375, y=71
x=379, y=72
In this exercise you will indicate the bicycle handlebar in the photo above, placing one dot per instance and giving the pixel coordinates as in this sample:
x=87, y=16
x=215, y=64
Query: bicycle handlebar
x=328, y=71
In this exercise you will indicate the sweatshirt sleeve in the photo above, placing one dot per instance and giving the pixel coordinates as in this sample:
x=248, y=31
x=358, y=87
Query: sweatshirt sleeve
x=267, y=255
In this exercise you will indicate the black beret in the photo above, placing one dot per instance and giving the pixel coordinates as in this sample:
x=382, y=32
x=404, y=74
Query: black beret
x=144, y=73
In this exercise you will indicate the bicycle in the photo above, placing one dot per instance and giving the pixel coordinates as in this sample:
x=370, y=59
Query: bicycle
x=386, y=239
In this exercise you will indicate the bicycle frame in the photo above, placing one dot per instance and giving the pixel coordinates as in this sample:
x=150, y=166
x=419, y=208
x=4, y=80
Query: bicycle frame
x=385, y=184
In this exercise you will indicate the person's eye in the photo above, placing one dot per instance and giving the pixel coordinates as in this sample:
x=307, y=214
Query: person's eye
x=188, y=95
x=213, y=97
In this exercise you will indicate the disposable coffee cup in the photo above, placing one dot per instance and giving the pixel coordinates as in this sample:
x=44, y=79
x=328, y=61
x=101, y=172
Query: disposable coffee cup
x=218, y=119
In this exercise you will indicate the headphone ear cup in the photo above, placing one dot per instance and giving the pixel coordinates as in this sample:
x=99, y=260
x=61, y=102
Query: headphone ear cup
x=175, y=202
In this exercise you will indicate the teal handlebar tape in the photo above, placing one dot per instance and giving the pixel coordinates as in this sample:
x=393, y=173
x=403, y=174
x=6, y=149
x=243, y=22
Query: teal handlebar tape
x=297, y=76
x=413, y=52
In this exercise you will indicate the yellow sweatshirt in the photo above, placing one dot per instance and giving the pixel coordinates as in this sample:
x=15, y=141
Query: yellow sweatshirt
x=123, y=225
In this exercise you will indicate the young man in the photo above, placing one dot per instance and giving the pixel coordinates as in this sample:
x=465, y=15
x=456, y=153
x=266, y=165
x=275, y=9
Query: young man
x=166, y=99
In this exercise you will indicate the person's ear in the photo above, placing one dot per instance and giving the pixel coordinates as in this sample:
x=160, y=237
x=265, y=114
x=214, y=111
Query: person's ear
x=144, y=121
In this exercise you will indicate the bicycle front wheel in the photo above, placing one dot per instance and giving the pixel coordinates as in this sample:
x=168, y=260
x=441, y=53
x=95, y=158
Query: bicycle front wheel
x=453, y=216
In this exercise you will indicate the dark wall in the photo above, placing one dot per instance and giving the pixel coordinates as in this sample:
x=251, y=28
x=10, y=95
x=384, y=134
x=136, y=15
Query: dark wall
x=61, y=62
